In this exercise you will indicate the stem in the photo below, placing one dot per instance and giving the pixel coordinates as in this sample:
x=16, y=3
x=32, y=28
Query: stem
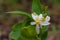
x=40, y=31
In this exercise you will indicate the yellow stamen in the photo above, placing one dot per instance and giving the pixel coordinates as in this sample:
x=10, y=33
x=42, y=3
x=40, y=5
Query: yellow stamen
x=43, y=18
x=37, y=21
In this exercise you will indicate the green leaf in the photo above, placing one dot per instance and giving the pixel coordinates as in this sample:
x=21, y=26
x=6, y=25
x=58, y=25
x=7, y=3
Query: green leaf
x=15, y=33
x=36, y=6
x=20, y=13
x=29, y=33
x=27, y=21
x=44, y=33
x=16, y=26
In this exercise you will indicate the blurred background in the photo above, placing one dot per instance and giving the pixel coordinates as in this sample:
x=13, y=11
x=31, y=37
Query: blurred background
x=8, y=20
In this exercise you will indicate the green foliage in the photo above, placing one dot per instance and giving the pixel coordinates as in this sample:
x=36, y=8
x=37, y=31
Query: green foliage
x=28, y=33
x=23, y=30
x=36, y=6
x=20, y=13
x=15, y=33
x=44, y=33
x=16, y=29
x=27, y=21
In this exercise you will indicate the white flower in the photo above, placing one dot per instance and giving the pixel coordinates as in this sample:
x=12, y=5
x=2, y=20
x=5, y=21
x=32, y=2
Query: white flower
x=39, y=21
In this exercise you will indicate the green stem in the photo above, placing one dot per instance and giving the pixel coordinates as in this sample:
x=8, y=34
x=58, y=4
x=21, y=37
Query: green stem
x=40, y=31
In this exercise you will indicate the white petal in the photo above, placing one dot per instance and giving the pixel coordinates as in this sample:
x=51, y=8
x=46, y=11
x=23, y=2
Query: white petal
x=32, y=23
x=37, y=29
x=45, y=23
x=47, y=18
x=40, y=16
x=34, y=16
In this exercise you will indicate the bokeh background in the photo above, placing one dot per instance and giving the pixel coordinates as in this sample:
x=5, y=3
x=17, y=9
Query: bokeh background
x=8, y=20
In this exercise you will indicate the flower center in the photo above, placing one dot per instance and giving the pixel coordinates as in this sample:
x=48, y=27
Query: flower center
x=37, y=21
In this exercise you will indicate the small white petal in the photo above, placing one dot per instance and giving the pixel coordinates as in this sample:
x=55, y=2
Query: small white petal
x=47, y=18
x=40, y=16
x=34, y=16
x=37, y=29
x=45, y=23
x=32, y=23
